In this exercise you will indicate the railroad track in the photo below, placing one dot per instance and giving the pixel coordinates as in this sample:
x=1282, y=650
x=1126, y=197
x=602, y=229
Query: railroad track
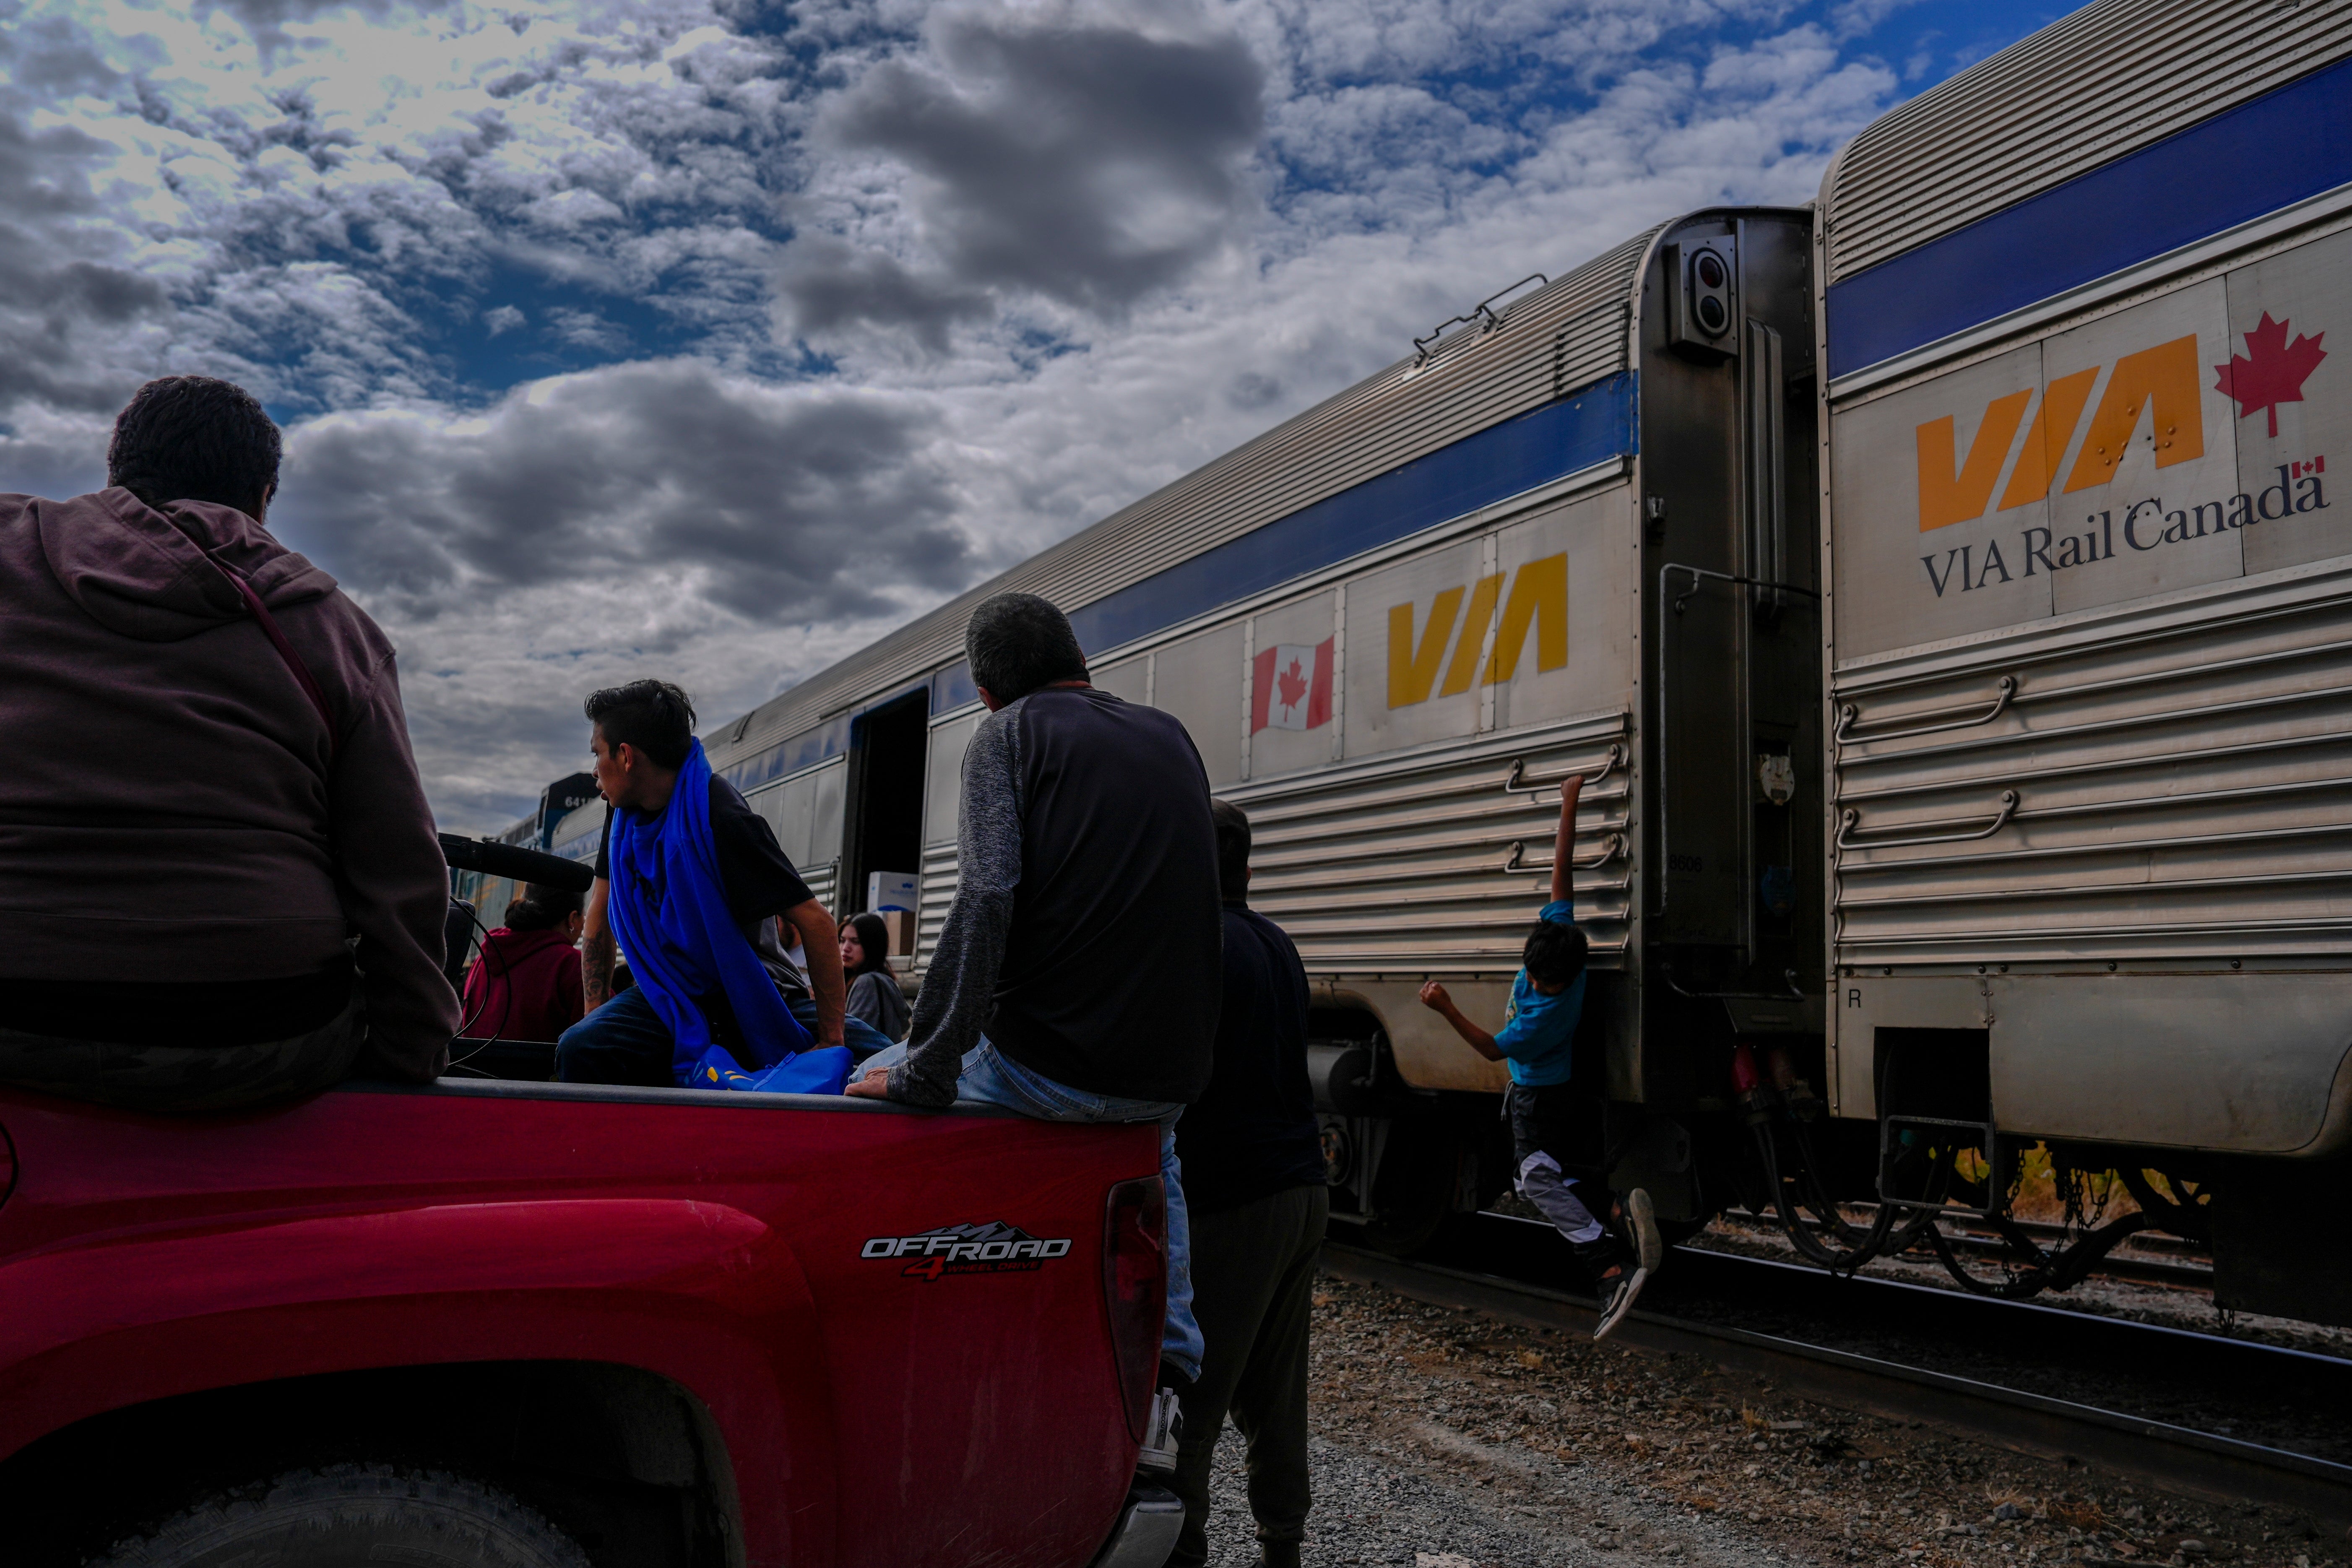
x=2186, y=1268
x=1496, y=1272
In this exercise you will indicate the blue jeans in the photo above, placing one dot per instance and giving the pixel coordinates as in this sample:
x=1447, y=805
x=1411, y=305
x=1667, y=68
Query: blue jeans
x=992, y=1079
x=625, y=1041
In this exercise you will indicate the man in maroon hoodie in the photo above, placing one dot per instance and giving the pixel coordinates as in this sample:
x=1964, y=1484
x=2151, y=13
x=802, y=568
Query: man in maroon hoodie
x=219, y=883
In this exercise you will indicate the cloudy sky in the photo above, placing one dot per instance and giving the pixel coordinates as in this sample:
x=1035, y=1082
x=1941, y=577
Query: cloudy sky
x=714, y=338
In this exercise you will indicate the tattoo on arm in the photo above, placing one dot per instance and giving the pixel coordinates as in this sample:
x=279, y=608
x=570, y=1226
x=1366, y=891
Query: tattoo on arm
x=597, y=950
x=820, y=945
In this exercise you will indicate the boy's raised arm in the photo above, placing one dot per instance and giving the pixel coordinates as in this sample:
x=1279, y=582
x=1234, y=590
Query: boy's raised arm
x=1563, y=842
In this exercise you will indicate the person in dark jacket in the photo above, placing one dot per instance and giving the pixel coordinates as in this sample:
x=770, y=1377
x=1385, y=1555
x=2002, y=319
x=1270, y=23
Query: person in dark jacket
x=1076, y=976
x=1254, y=1187
x=219, y=883
x=526, y=983
x=874, y=993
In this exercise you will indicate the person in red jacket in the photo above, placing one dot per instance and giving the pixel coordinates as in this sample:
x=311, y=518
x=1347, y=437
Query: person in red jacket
x=525, y=986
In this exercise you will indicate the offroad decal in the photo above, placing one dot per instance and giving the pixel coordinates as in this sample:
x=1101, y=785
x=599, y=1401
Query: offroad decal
x=992, y=1248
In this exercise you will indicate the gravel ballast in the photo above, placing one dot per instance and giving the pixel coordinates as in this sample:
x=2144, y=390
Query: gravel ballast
x=1447, y=1439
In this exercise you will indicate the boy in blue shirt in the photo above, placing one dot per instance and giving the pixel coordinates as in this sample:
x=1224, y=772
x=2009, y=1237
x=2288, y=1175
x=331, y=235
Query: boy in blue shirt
x=1546, y=1003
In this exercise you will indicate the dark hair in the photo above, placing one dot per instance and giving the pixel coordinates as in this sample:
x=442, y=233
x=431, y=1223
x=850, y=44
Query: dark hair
x=1554, y=955
x=191, y=438
x=1017, y=643
x=541, y=907
x=874, y=937
x=1232, y=849
x=653, y=716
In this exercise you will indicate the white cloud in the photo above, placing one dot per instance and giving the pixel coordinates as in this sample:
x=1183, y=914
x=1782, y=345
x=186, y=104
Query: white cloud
x=691, y=337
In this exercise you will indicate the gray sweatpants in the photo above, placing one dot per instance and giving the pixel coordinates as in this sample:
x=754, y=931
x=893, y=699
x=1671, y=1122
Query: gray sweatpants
x=186, y=1078
x=1543, y=1153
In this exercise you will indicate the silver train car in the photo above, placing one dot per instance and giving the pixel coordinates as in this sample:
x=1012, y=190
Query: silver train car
x=1940, y=590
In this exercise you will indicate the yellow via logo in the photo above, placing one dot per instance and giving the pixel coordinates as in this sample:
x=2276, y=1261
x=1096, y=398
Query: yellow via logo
x=2162, y=380
x=1538, y=600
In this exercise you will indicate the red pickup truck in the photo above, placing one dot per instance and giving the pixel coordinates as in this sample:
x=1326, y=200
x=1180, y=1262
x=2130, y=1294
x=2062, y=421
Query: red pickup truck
x=545, y=1324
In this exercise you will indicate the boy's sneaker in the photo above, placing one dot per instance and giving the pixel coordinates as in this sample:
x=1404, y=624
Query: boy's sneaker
x=1648, y=1247
x=1162, y=1430
x=1617, y=1299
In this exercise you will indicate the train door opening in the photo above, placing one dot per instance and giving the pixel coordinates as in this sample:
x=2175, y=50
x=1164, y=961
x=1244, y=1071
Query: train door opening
x=885, y=798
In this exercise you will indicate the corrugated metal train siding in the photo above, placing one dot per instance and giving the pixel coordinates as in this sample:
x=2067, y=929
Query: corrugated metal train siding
x=1566, y=335
x=2183, y=782
x=937, y=890
x=2112, y=79
x=1399, y=867
x=821, y=881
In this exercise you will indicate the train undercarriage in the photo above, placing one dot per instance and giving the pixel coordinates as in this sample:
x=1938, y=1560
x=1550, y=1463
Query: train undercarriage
x=1934, y=1178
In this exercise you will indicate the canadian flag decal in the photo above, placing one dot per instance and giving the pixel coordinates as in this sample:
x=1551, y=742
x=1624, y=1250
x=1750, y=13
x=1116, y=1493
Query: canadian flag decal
x=1292, y=687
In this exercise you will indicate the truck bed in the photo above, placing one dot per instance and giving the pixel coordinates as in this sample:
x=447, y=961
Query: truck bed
x=888, y=1328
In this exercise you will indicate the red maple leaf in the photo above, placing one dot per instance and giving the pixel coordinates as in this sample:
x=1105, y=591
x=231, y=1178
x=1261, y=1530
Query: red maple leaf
x=2271, y=371
x=1291, y=685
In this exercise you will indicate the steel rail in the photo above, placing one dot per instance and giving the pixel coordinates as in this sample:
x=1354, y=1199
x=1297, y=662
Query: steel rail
x=2147, y=719
x=1305, y=851
x=2174, y=760
x=1310, y=806
x=2096, y=890
x=2177, y=1270
x=2121, y=847
x=1266, y=881
x=2205, y=1464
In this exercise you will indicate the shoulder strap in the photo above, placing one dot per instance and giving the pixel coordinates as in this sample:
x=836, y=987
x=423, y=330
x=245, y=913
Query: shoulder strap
x=277, y=636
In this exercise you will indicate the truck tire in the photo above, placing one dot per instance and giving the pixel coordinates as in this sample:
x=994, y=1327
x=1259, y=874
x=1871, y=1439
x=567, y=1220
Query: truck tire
x=353, y=1516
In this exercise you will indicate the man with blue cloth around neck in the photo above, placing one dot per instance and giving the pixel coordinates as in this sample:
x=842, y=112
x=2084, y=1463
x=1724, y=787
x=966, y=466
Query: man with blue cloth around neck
x=693, y=884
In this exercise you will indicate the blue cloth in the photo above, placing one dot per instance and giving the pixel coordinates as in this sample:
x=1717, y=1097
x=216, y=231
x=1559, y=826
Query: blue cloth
x=626, y=1042
x=989, y=1078
x=1537, y=1030
x=669, y=907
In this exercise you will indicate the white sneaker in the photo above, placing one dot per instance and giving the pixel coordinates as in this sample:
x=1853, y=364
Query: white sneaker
x=1648, y=1247
x=1619, y=1301
x=1162, y=1430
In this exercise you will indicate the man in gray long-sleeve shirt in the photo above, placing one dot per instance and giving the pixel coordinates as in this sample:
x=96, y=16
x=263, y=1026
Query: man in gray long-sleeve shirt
x=1078, y=974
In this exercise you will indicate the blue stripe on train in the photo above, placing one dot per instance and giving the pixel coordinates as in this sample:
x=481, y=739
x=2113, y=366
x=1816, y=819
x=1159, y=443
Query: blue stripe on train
x=1498, y=462
x=1560, y=438
x=2286, y=146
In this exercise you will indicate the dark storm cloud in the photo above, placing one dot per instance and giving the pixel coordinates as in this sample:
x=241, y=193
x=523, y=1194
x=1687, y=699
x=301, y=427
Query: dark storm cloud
x=831, y=285
x=62, y=297
x=779, y=506
x=1087, y=163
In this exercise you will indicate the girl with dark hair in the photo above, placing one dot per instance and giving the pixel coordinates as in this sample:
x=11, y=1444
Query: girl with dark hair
x=526, y=983
x=874, y=993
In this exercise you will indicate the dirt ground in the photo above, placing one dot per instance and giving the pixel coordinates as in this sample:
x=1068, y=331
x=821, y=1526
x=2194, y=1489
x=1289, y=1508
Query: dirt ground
x=1446, y=1439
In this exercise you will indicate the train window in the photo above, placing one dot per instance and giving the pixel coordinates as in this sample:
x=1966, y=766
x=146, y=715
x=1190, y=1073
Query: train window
x=944, y=779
